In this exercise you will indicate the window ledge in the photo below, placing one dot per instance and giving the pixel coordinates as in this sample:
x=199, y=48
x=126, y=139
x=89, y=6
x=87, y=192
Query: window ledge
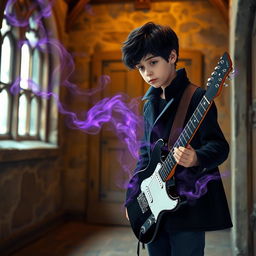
x=24, y=150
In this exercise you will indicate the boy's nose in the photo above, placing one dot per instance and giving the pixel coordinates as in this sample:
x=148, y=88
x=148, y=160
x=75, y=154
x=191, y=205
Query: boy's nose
x=148, y=72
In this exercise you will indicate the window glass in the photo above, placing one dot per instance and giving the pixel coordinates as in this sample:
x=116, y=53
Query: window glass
x=22, y=115
x=6, y=61
x=4, y=100
x=24, y=69
x=33, y=117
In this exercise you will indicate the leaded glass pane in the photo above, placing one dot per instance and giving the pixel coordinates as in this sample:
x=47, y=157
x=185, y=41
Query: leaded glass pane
x=4, y=103
x=24, y=69
x=36, y=69
x=22, y=115
x=32, y=38
x=5, y=27
x=34, y=117
x=6, y=60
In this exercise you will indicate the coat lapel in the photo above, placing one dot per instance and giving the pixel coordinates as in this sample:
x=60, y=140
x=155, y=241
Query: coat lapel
x=152, y=117
x=166, y=107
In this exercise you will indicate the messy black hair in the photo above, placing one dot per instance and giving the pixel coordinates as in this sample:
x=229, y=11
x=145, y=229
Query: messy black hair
x=149, y=39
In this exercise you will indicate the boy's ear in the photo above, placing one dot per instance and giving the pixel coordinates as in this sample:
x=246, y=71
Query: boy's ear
x=173, y=57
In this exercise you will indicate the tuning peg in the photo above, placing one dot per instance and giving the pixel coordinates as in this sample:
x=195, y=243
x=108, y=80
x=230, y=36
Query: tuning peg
x=232, y=74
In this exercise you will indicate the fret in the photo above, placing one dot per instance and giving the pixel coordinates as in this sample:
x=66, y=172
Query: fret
x=168, y=165
x=195, y=118
x=190, y=131
x=183, y=143
x=206, y=100
x=171, y=159
x=179, y=142
x=186, y=134
x=202, y=109
x=163, y=172
x=183, y=136
x=192, y=124
x=194, y=114
x=199, y=112
x=203, y=106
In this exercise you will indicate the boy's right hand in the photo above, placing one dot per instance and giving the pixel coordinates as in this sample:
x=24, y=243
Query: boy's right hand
x=126, y=214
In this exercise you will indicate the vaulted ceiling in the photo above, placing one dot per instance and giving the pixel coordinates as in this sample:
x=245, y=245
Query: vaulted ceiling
x=77, y=6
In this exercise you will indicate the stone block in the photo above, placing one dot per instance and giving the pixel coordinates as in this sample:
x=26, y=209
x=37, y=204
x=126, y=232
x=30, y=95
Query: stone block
x=30, y=194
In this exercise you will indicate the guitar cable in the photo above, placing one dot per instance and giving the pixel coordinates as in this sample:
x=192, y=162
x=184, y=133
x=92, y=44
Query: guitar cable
x=138, y=246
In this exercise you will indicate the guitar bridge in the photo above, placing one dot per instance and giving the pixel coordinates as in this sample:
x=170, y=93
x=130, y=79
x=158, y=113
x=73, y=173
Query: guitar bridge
x=143, y=203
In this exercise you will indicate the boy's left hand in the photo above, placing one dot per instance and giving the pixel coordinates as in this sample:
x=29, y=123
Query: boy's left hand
x=185, y=156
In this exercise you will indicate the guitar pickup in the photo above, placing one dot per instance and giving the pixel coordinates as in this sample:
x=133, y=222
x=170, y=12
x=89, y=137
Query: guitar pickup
x=143, y=203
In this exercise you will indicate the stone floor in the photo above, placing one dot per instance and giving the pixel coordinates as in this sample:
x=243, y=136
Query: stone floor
x=80, y=239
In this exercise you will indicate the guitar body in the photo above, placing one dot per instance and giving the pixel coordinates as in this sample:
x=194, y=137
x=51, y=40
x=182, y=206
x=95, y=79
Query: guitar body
x=145, y=219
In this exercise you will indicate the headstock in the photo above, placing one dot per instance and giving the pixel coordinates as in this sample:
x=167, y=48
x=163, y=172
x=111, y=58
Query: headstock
x=217, y=80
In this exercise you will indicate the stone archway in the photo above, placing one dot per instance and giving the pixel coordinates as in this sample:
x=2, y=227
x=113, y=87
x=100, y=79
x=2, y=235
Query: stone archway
x=241, y=25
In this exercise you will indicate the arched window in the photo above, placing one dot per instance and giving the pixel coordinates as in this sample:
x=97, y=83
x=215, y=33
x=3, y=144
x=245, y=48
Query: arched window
x=24, y=75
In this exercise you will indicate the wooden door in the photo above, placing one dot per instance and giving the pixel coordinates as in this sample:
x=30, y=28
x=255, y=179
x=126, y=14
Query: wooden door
x=106, y=173
x=253, y=147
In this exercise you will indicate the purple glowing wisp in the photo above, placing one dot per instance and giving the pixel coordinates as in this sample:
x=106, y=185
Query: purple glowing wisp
x=118, y=114
x=118, y=111
x=193, y=188
x=45, y=11
x=113, y=110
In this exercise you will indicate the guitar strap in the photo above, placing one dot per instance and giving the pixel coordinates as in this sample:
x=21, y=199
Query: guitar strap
x=179, y=118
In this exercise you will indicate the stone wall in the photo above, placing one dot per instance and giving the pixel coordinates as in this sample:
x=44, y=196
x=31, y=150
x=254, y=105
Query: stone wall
x=32, y=189
x=198, y=24
x=29, y=193
x=31, y=180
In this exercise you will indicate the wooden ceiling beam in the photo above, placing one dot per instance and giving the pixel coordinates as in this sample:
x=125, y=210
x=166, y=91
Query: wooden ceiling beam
x=74, y=13
x=223, y=7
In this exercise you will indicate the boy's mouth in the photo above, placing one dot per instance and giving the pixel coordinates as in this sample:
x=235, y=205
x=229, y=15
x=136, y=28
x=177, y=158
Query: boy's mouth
x=152, y=80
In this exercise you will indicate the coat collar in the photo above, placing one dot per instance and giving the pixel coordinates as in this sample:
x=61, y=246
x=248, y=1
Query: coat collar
x=177, y=85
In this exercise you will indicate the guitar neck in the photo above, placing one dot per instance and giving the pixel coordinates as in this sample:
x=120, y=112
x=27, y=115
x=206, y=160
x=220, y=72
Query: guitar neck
x=185, y=137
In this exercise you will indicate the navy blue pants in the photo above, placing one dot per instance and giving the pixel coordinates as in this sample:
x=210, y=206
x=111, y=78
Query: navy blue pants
x=170, y=243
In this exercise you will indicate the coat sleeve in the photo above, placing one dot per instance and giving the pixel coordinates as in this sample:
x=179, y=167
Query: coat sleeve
x=213, y=148
x=144, y=146
x=142, y=161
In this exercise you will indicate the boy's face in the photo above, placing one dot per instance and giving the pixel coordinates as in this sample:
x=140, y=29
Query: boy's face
x=156, y=71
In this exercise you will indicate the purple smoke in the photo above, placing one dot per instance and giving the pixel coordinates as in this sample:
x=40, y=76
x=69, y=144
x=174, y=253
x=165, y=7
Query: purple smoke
x=14, y=20
x=112, y=110
x=192, y=187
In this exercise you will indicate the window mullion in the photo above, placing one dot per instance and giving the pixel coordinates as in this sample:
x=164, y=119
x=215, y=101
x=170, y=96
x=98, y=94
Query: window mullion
x=14, y=115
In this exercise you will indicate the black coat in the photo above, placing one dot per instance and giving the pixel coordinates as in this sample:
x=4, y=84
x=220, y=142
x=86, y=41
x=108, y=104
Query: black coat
x=210, y=211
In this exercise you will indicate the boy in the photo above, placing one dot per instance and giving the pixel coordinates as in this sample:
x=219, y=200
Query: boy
x=154, y=51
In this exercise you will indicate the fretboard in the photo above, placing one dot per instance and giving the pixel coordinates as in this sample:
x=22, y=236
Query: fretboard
x=185, y=136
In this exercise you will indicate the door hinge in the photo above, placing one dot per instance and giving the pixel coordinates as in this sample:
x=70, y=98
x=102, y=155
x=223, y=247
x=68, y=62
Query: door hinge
x=253, y=219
